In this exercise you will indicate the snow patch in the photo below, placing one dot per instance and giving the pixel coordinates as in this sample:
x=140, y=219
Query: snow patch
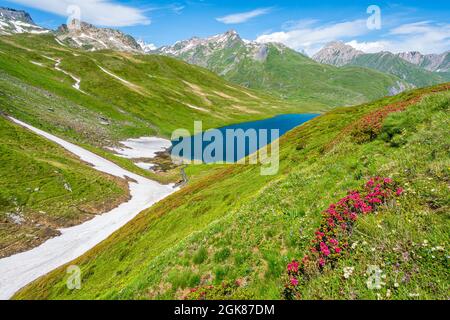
x=145, y=166
x=37, y=63
x=144, y=147
x=116, y=77
x=196, y=108
x=19, y=270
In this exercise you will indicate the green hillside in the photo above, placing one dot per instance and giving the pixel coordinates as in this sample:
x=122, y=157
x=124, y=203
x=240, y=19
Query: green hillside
x=232, y=225
x=44, y=188
x=151, y=99
x=392, y=64
x=284, y=72
x=132, y=96
x=297, y=77
x=122, y=95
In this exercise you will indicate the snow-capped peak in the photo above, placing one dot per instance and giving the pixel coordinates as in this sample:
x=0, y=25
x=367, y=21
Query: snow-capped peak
x=17, y=21
x=146, y=47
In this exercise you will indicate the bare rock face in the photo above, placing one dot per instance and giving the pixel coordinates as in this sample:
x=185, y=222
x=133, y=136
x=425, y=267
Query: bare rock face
x=86, y=36
x=17, y=21
x=337, y=54
x=430, y=62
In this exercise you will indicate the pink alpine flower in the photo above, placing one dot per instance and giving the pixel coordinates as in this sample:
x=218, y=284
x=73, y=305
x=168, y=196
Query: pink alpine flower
x=338, y=220
x=334, y=242
x=293, y=266
x=321, y=262
x=324, y=249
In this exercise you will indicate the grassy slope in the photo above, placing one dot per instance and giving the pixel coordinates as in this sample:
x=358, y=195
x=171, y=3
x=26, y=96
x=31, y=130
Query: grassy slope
x=35, y=182
x=236, y=224
x=299, y=78
x=154, y=102
x=389, y=63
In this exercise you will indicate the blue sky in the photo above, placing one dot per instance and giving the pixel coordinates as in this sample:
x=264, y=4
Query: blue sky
x=302, y=25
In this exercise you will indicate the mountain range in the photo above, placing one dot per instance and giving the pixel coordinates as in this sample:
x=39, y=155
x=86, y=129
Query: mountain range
x=337, y=75
x=413, y=67
x=273, y=67
x=359, y=187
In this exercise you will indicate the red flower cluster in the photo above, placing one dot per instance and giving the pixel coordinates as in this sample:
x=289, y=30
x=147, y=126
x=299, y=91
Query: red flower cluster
x=332, y=237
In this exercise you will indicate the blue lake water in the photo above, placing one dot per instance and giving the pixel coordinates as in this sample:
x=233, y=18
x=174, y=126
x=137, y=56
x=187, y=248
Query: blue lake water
x=259, y=134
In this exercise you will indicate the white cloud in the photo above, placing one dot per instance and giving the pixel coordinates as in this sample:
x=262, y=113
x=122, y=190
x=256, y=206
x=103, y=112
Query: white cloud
x=98, y=12
x=425, y=37
x=243, y=16
x=309, y=38
x=369, y=47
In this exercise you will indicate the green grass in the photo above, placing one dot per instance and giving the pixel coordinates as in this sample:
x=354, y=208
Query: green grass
x=390, y=63
x=294, y=76
x=299, y=78
x=47, y=187
x=154, y=103
x=236, y=224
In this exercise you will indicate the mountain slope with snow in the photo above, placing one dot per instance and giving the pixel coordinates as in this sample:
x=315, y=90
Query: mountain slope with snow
x=275, y=68
x=85, y=36
x=17, y=21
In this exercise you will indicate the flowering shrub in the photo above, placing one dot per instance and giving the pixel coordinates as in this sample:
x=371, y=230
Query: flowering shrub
x=331, y=239
x=370, y=126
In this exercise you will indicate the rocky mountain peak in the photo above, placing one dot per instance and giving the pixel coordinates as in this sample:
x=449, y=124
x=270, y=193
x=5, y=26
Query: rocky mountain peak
x=146, y=47
x=337, y=53
x=18, y=15
x=17, y=21
x=80, y=34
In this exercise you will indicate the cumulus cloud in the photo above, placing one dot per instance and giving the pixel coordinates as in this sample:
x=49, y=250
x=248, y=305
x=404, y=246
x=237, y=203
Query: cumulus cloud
x=309, y=37
x=243, y=16
x=369, y=47
x=98, y=12
x=425, y=37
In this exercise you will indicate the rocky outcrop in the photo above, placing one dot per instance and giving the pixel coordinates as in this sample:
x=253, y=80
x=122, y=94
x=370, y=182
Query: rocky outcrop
x=86, y=36
x=220, y=53
x=17, y=21
x=337, y=54
x=430, y=62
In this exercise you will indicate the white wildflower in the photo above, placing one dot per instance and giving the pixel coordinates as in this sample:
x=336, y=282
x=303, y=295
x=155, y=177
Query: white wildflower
x=348, y=271
x=388, y=293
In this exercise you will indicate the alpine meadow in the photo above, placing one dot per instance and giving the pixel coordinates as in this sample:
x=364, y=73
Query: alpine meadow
x=200, y=152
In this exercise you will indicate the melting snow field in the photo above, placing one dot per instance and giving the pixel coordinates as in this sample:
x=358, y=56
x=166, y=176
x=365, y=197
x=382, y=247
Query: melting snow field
x=19, y=270
x=145, y=147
